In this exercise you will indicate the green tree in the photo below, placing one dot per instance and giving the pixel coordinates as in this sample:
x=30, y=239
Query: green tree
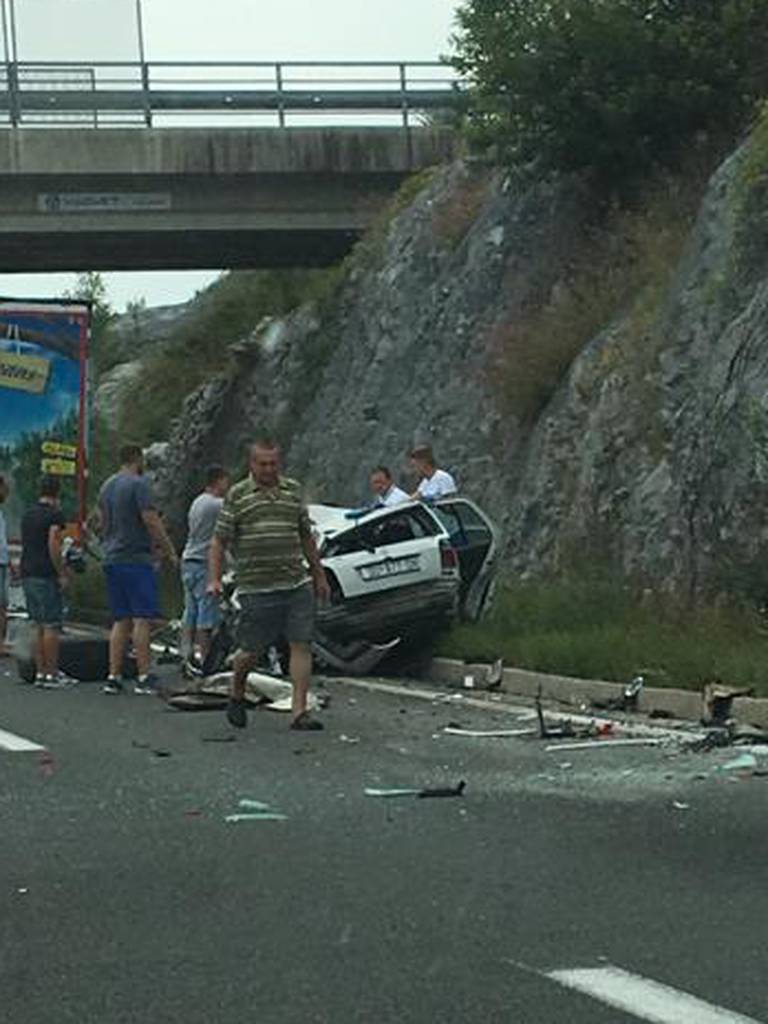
x=91, y=287
x=613, y=87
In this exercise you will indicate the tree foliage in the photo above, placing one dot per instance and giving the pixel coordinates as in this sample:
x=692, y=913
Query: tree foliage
x=609, y=86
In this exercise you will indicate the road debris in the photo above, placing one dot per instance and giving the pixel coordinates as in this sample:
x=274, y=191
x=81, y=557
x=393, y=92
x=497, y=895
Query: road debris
x=254, y=810
x=457, y=730
x=607, y=743
x=424, y=792
x=743, y=763
x=348, y=739
x=680, y=806
x=718, y=700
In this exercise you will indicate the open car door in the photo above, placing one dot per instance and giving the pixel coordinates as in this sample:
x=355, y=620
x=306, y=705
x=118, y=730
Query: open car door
x=474, y=538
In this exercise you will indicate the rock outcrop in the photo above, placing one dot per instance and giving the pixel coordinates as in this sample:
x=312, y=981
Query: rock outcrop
x=647, y=454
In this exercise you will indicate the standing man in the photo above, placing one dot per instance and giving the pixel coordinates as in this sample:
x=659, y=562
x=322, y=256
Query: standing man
x=434, y=483
x=43, y=575
x=201, y=610
x=5, y=567
x=129, y=524
x=386, y=490
x=265, y=523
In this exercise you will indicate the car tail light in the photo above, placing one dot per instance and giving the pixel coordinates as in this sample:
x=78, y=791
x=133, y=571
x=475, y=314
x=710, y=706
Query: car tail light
x=449, y=560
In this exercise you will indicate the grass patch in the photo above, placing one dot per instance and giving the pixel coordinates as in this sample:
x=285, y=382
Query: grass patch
x=601, y=630
x=620, y=274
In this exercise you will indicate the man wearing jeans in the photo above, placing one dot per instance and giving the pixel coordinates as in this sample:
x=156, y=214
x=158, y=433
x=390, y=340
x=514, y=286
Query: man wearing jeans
x=201, y=610
x=278, y=572
x=130, y=526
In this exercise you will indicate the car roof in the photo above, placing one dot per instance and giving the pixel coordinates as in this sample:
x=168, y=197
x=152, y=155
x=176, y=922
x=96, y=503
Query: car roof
x=330, y=520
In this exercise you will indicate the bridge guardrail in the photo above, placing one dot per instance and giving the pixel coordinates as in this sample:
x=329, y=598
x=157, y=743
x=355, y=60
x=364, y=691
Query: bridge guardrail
x=143, y=93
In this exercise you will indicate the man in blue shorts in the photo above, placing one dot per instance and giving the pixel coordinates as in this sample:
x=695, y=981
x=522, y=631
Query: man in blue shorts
x=130, y=529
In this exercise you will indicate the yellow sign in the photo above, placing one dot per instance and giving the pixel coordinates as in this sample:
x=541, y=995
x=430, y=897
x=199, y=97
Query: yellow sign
x=63, y=451
x=58, y=467
x=25, y=373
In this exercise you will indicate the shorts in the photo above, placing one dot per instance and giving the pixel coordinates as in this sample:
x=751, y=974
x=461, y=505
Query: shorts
x=42, y=595
x=201, y=610
x=132, y=590
x=3, y=586
x=272, y=615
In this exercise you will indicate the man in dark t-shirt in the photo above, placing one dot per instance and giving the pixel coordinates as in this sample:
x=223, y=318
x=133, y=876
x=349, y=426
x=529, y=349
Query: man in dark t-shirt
x=43, y=574
x=130, y=529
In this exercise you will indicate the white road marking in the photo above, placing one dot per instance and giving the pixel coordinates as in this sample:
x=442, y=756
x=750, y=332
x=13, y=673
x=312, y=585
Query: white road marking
x=17, y=744
x=643, y=998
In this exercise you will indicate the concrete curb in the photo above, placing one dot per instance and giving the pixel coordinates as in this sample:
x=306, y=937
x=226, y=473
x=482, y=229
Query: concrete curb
x=683, y=704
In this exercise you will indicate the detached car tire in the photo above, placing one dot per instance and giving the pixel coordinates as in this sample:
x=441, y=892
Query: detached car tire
x=83, y=655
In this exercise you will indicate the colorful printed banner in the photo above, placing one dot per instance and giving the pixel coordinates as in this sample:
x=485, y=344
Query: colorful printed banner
x=25, y=373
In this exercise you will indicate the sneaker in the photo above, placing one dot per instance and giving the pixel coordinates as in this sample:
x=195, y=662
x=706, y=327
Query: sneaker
x=61, y=681
x=39, y=679
x=306, y=723
x=147, y=686
x=113, y=685
x=237, y=714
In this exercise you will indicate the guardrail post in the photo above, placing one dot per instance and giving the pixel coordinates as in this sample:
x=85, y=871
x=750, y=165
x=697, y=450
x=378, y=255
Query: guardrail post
x=280, y=96
x=14, y=100
x=146, y=94
x=405, y=112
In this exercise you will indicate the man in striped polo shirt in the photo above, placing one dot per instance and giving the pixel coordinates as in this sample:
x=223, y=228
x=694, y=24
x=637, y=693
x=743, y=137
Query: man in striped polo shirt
x=278, y=572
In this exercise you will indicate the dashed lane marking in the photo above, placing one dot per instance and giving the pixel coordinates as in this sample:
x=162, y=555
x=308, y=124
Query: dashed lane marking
x=643, y=998
x=17, y=744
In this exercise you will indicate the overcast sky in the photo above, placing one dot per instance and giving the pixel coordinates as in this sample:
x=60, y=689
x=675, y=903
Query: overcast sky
x=225, y=30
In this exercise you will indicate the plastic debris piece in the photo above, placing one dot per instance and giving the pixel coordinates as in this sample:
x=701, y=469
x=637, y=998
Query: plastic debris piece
x=47, y=764
x=469, y=682
x=193, y=814
x=680, y=806
x=161, y=753
x=495, y=675
x=606, y=744
x=22, y=892
x=743, y=763
x=253, y=805
x=348, y=739
x=233, y=819
x=225, y=738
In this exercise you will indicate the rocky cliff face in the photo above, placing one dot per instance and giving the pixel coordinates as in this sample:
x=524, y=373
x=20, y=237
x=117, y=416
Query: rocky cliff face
x=645, y=451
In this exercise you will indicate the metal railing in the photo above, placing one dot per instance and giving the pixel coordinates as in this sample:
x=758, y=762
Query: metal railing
x=144, y=93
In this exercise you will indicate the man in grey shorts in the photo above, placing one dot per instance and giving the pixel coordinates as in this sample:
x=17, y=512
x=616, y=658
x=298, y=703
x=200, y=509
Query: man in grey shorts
x=279, y=575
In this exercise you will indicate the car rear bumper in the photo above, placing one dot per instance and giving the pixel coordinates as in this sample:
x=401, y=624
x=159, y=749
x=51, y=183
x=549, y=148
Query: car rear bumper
x=402, y=612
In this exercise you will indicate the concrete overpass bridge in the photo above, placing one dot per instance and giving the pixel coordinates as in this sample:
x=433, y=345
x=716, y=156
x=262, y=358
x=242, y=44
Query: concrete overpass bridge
x=113, y=176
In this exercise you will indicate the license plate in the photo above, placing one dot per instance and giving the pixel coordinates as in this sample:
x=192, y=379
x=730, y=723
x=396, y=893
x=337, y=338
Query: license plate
x=392, y=567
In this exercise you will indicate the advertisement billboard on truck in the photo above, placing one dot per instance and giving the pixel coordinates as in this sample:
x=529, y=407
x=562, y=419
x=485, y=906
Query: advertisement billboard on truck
x=43, y=402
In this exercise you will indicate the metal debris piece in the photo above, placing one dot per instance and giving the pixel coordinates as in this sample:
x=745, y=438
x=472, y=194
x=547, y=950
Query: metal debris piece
x=457, y=730
x=605, y=744
x=425, y=792
x=232, y=819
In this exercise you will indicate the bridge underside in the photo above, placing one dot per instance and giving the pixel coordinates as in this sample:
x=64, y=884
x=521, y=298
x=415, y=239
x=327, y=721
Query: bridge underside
x=173, y=250
x=181, y=199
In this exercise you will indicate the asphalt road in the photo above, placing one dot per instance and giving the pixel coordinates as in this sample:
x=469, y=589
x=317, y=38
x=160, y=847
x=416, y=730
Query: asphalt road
x=125, y=896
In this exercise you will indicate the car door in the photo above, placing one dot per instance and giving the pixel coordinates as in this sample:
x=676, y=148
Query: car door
x=385, y=551
x=473, y=537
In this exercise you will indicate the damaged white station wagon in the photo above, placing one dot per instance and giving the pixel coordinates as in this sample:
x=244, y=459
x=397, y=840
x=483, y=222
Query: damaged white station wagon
x=398, y=575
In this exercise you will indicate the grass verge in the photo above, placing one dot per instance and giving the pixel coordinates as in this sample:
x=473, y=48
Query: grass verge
x=596, y=630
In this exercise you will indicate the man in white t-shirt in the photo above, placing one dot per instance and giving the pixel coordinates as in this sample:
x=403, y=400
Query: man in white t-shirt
x=386, y=490
x=435, y=483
